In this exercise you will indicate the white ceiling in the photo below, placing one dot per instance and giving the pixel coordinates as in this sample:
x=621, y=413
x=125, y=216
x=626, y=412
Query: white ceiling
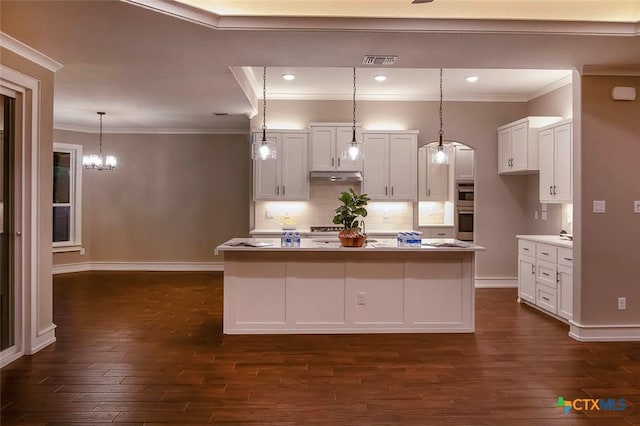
x=156, y=65
x=568, y=10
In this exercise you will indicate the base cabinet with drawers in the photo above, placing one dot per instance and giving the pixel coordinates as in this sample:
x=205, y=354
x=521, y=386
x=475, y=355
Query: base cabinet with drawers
x=545, y=274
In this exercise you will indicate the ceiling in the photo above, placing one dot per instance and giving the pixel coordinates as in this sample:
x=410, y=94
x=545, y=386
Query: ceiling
x=159, y=66
x=567, y=10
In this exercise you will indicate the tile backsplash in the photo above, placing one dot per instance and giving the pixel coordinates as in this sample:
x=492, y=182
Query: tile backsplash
x=319, y=210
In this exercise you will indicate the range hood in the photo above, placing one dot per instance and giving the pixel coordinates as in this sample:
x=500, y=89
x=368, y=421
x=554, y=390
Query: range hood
x=335, y=177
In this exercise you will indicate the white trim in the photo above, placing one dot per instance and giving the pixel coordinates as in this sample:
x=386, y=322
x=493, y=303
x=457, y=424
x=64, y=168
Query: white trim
x=418, y=25
x=75, y=192
x=151, y=131
x=610, y=70
x=604, y=332
x=564, y=81
x=497, y=282
x=44, y=339
x=139, y=266
x=28, y=52
x=395, y=97
x=249, y=85
x=67, y=248
x=9, y=355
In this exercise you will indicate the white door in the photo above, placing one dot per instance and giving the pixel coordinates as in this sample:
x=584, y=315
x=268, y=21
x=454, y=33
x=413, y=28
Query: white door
x=323, y=154
x=11, y=286
x=562, y=169
x=504, y=150
x=266, y=173
x=294, y=172
x=345, y=135
x=519, y=147
x=526, y=279
x=375, y=170
x=547, y=161
x=403, y=166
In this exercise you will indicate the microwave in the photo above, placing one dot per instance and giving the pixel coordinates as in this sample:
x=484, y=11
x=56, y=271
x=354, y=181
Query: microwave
x=465, y=195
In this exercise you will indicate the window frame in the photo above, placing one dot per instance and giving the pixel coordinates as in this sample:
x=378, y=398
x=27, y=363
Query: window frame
x=75, y=198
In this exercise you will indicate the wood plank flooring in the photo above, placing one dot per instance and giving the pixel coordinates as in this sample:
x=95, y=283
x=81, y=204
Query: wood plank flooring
x=148, y=349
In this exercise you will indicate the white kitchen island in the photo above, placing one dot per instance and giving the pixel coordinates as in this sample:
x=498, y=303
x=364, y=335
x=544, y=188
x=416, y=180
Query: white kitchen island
x=321, y=287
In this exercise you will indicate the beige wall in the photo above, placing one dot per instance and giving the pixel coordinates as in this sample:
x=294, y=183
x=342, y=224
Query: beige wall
x=610, y=242
x=501, y=200
x=45, y=77
x=558, y=102
x=172, y=198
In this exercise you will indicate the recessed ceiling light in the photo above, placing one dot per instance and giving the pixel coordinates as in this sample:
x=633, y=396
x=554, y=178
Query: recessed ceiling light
x=288, y=77
x=472, y=78
x=380, y=77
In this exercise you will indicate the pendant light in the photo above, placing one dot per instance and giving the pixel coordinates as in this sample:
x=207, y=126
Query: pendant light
x=99, y=161
x=440, y=156
x=263, y=149
x=353, y=150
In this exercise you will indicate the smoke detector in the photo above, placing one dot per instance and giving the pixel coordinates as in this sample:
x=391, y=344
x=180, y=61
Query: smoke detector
x=379, y=60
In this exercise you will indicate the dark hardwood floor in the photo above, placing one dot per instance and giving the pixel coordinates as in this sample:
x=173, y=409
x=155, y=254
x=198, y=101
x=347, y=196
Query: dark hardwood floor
x=148, y=348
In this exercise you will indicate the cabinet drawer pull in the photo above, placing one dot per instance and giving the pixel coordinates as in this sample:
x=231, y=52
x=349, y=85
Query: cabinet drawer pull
x=544, y=273
x=386, y=190
x=278, y=190
x=392, y=190
x=525, y=249
x=440, y=234
x=332, y=162
x=569, y=259
x=550, y=190
x=428, y=193
x=533, y=269
x=545, y=298
x=284, y=189
x=545, y=253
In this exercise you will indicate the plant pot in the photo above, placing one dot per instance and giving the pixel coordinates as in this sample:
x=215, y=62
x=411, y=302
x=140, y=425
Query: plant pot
x=352, y=238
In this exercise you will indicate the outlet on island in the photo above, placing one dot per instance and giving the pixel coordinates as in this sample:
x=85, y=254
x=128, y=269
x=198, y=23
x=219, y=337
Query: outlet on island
x=362, y=298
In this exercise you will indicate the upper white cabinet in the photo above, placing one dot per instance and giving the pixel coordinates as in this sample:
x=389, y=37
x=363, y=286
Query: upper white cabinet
x=518, y=145
x=464, y=165
x=286, y=177
x=327, y=141
x=555, y=163
x=434, y=184
x=390, y=165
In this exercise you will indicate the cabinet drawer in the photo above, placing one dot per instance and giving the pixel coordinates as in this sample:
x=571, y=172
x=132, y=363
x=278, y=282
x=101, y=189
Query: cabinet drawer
x=565, y=257
x=546, y=273
x=546, y=252
x=444, y=232
x=547, y=298
x=526, y=248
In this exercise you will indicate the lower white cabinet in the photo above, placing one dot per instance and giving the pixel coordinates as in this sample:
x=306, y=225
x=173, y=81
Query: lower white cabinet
x=545, y=275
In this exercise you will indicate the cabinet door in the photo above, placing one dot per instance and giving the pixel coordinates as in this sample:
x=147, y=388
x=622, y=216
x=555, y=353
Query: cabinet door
x=403, y=166
x=562, y=167
x=504, y=150
x=266, y=173
x=323, y=141
x=437, y=178
x=464, y=168
x=547, y=161
x=565, y=292
x=527, y=279
x=375, y=170
x=345, y=134
x=520, y=147
x=294, y=174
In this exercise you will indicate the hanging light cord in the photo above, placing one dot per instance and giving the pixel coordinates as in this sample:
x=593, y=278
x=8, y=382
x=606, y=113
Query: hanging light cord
x=441, y=131
x=264, y=104
x=101, y=114
x=353, y=139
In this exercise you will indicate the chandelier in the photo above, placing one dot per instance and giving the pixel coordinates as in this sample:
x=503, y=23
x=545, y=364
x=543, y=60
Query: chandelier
x=353, y=150
x=263, y=149
x=99, y=161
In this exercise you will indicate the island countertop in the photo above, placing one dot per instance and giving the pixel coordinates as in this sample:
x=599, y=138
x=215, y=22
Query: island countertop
x=332, y=244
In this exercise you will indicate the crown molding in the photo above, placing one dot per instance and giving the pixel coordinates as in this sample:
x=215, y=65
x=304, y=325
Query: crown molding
x=19, y=48
x=618, y=70
x=395, y=97
x=489, y=26
x=150, y=131
x=564, y=81
x=249, y=85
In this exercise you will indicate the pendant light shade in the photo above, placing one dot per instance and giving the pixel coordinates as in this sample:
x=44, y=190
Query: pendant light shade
x=99, y=161
x=263, y=149
x=440, y=156
x=353, y=150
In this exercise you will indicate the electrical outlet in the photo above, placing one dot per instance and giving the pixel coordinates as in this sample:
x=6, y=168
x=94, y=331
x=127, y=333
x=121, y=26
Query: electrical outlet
x=636, y=206
x=622, y=303
x=82, y=251
x=535, y=214
x=268, y=214
x=544, y=215
x=599, y=206
x=362, y=298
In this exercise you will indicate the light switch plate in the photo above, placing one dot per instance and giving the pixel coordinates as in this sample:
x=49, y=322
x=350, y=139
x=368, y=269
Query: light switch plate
x=636, y=206
x=599, y=206
x=544, y=215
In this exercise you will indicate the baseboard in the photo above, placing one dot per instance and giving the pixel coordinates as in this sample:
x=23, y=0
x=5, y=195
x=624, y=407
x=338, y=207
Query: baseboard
x=497, y=282
x=604, y=333
x=139, y=266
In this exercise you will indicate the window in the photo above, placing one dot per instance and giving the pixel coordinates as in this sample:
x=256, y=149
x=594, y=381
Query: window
x=67, y=196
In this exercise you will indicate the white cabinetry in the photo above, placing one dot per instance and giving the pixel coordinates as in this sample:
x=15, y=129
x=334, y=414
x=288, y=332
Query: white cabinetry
x=464, y=166
x=436, y=177
x=286, y=177
x=327, y=141
x=518, y=145
x=545, y=275
x=555, y=163
x=390, y=165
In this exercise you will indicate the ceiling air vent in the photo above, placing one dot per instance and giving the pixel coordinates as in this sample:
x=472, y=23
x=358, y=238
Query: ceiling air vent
x=379, y=60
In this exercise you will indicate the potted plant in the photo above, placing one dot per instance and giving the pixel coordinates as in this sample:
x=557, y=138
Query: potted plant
x=352, y=208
